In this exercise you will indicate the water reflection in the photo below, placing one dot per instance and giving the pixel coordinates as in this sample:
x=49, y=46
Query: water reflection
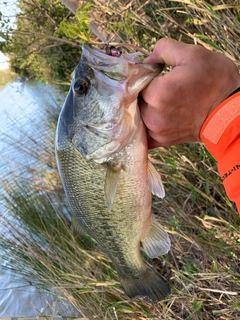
x=24, y=135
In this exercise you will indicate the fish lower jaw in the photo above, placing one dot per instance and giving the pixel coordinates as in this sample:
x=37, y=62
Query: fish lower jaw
x=99, y=159
x=108, y=153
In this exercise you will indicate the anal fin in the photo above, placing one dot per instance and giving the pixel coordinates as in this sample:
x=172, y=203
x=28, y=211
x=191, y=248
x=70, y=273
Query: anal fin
x=156, y=241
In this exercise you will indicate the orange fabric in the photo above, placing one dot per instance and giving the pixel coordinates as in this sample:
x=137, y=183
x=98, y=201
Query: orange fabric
x=221, y=135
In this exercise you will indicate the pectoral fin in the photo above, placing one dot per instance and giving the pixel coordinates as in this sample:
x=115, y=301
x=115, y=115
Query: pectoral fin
x=156, y=241
x=155, y=182
x=110, y=187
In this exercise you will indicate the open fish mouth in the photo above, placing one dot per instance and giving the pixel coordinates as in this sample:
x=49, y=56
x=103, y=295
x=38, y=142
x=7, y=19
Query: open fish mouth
x=115, y=68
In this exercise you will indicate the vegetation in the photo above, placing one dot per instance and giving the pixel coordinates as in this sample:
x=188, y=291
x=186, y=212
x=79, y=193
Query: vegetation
x=46, y=43
x=6, y=76
x=37, y=47
x=203, y=265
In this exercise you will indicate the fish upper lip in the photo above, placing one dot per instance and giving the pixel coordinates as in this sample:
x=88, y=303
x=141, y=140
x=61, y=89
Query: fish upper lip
x=92, y=51
x=101, y=55
x=105, y=64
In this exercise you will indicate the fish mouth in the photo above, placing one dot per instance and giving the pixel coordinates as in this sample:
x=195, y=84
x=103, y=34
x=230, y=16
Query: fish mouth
x=131, y=76
x=101, y=58
x=115, y=68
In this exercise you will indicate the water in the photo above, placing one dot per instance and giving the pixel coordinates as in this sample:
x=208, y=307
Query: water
x=22, y=110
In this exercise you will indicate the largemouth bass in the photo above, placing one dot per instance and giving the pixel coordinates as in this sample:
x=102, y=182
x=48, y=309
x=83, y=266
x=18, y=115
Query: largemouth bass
x=102, y=158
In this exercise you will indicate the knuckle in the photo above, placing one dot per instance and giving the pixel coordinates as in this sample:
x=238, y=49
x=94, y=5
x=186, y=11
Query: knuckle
x=163, y=42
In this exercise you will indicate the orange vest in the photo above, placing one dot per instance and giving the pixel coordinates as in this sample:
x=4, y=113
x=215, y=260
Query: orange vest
x=221, y=135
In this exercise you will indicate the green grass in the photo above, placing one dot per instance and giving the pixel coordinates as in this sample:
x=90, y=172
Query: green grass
x=203, y=264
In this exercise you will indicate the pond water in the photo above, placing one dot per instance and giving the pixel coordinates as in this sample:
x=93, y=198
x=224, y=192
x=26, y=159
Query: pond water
x=21, y=110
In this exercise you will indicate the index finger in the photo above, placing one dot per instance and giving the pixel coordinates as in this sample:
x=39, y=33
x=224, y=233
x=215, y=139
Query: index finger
x=169, y=51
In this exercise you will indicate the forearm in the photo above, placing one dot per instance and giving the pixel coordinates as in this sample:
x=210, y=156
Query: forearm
x=221, y=135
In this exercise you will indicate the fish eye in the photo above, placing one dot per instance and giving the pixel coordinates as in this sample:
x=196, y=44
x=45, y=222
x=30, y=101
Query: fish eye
x=80, y=86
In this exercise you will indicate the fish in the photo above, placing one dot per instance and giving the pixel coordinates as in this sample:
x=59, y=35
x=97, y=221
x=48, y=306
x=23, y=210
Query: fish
x=102, y=160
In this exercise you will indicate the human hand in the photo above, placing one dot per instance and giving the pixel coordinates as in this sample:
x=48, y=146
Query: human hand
x=175, y=106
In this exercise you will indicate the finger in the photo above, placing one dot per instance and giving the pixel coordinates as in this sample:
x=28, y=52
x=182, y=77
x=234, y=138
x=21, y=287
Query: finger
x=165, y=90
x=169, y=51
x=148, y=114
x=153, y=143
x=150, y=94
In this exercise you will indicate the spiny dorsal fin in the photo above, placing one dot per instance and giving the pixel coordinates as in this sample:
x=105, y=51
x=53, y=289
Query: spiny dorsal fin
x=155, y=182
x=110, y=187
x=156, y=241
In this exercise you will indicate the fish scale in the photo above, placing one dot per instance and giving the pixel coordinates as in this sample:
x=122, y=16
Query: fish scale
x=95, y=218
x=107, y=181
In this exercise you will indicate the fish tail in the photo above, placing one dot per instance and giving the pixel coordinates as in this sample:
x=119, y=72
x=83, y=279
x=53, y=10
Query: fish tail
x=149, y=285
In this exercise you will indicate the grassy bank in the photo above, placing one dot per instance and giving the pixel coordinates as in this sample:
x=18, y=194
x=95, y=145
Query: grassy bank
x=6, y=76
x=203, y=266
